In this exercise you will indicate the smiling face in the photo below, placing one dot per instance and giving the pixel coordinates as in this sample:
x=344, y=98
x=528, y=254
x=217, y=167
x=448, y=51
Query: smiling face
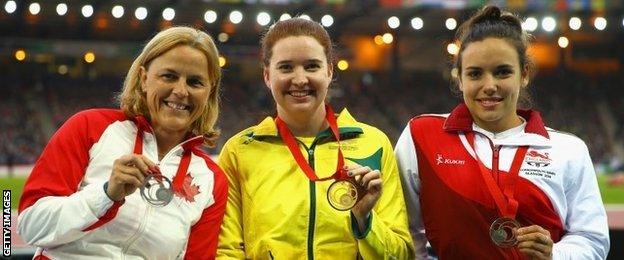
x=298, y=76
x=176, y=85
x=491, y=80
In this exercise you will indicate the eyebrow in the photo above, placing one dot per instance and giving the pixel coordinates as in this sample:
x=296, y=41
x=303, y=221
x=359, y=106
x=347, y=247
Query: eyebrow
x=497, y=67
x=306, y=61
x=195, y=76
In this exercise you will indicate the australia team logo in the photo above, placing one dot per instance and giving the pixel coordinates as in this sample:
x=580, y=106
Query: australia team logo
x=537, y=159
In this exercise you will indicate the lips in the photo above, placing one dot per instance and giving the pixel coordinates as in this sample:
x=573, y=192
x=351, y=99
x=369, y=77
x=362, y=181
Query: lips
x=176, y=105
x=300, y=93
x=489, y=102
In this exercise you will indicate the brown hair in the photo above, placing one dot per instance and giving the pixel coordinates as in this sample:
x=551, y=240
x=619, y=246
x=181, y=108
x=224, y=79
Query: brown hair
x=133, y=101
x=491, y=22
x=295, y=27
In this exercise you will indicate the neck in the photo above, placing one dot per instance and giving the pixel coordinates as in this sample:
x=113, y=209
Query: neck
x=500, y=126
x=305, y=124
x=166, y=140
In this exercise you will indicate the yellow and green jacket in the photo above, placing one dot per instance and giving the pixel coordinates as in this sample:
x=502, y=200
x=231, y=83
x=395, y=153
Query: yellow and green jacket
x=275, y=212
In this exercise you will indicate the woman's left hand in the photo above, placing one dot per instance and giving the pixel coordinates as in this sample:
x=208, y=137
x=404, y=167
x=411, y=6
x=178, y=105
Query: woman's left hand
x=535, y=242
x=370, y=181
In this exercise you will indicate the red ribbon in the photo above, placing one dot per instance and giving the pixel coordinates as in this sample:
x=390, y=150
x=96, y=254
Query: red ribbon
x=505, y=203
x=291, y=142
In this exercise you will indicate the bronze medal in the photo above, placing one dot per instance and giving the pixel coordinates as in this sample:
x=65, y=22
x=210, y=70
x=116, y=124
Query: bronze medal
x=501, y=232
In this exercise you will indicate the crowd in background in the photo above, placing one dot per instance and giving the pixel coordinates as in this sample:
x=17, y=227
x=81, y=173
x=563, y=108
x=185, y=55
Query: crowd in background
x=32, y=110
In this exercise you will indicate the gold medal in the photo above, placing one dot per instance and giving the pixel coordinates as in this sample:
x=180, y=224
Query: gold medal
x=157, y=190
x=501, y=232
x=342, y=195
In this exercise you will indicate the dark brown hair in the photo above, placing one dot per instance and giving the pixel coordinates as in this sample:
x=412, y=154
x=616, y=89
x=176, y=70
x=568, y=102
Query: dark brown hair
x=492, y=22
x=295, y=27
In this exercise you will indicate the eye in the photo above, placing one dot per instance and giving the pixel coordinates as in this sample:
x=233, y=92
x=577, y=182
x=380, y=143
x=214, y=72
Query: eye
x=284, y=67
x=504, y=72
x=169, y=76
x=194, y=82
x=473, y=74
x=312, y=67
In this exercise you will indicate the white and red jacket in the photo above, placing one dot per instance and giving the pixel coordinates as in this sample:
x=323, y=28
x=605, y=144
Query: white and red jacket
x=65, y=212
x=450, y=207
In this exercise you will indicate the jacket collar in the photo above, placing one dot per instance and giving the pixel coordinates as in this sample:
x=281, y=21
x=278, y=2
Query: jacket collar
x=346, y=125
x=190, y=141
x=460, y=120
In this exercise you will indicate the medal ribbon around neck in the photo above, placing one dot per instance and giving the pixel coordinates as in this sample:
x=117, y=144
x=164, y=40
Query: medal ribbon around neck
x=505, y=203
x=291, y=142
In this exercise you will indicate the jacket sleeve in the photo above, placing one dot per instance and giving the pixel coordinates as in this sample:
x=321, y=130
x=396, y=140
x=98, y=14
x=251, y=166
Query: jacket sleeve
x=52, y=210
x=231, y=243
x=387, y=235
x=407, y=161
x=202, y=242
x=587, y=231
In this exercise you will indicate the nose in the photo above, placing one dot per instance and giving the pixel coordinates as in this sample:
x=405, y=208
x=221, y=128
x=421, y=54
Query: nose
x=180, y=88
x=299, y=77
x=490, y=85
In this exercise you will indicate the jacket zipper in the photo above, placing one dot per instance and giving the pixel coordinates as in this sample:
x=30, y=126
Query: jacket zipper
x=495, y=155
x=312, y=220
x=139, y=231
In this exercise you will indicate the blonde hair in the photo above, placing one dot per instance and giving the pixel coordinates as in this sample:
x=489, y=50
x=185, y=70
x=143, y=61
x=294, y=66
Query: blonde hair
x=132, y=100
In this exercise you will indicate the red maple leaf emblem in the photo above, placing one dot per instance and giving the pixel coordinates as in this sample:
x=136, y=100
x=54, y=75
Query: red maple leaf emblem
x=188, y=189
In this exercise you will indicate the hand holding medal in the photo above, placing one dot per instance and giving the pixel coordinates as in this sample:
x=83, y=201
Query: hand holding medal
x=535, y=242
x=349, y=187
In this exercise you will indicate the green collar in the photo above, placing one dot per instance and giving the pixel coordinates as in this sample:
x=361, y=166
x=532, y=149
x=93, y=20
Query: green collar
x=347, y=126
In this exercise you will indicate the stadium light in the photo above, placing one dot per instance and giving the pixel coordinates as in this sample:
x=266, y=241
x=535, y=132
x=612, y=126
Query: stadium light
x=61, y=9
x=327, y=20
x=378, y=40
x=168, y=14
x=450, y=24
x=117, y=11
x=34, y=8
x=530, y=24
x=20, y=55
x=223, y=37
x=622, y=21
x=62, y=69
x=417, y=23
x=563, y=42
x=222, y=61
x=343, y=65
x=285, y=16
x=452, y=48
x=394, y=22
x=600, y=23
x=210, y=16
x=305, y=16
x=236, y=17
x=575, y=23
x=86, y=10
x=387, y=38
x=263, y=18
x=10, y=7
x=549, y=24
x=140, y=13
x=89, y=57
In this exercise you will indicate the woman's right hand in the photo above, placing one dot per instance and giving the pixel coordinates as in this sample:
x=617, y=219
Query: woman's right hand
x=128, y=174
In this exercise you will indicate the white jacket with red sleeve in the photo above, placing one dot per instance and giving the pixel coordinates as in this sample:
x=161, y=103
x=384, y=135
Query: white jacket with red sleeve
x=65, y=212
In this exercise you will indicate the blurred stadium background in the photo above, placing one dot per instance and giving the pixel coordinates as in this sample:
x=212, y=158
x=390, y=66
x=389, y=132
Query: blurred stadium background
x=392, y=62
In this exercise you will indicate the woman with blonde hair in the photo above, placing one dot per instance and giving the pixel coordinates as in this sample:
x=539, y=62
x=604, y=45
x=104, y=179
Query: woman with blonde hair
x=134, y=183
